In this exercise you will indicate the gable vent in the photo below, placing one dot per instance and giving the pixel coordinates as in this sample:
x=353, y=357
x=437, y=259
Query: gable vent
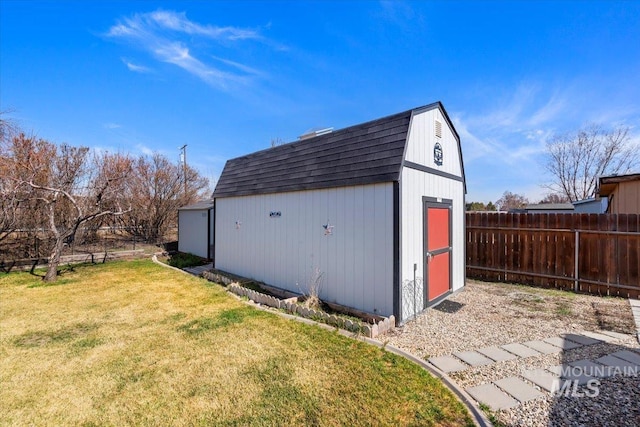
x=438, y=128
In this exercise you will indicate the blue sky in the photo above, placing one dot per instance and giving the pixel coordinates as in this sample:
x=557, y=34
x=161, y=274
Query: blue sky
x=228, y=77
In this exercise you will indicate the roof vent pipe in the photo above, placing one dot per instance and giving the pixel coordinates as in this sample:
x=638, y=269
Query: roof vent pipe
x=314, y=133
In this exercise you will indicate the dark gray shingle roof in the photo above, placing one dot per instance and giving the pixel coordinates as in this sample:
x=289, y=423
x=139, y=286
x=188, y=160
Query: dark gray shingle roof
x=367, y=153
x=201, y=205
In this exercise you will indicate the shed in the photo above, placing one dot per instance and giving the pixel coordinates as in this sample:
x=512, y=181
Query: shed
x=622, y=191
x=374, y=211
x=195, y=229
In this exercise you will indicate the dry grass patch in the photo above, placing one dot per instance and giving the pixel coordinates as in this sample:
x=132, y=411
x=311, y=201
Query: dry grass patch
x=132, y=343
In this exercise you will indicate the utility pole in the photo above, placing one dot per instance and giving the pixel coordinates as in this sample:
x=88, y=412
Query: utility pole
x=184, y=166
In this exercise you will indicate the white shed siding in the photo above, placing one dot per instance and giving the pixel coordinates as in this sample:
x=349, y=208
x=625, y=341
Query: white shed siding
x=193, y=227
x=416, y=184
x=421, y=131
x=356, y=260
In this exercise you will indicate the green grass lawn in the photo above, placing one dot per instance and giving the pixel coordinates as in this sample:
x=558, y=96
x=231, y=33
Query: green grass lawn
x=133, y=343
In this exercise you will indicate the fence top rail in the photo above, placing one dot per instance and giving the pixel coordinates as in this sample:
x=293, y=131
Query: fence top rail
x=551, y=230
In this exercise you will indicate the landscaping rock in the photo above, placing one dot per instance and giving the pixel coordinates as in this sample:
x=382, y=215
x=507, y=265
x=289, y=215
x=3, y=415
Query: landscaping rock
x=374, y=330
x=348, y=324
x=366, y=331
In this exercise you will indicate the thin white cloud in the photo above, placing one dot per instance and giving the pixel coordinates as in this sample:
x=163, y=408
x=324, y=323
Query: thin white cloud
x=237, y=65
x=169, y=36
x=179, y=22
x=554, y=108
x=178, y=54
x=135, y=67
x=111, y=126
x=145, y=150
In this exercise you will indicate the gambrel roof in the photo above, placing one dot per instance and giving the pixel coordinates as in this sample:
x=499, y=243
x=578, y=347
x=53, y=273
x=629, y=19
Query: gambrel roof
x=367, y=153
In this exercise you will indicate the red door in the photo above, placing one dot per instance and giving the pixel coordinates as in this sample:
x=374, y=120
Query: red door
x=438, y=251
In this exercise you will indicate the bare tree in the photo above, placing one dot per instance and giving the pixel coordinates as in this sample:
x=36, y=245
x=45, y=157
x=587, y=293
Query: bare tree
x=8, y=126
x=555, y=198
x=156, y=191
x=9, y=196
x=510, y=201
x=577, y=160
x=67, y=185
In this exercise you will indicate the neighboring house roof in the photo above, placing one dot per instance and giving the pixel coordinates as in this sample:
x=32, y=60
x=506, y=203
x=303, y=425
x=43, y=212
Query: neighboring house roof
x=367, y=153
x=201, y=205
x=544, y=208
x=583, y=201
x=607, y=184
x=549, y=207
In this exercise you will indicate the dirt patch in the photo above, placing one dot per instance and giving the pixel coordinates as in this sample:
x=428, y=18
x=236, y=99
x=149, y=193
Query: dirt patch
x=613, y=317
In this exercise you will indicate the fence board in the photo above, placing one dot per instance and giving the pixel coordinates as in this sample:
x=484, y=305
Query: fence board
x=540, y=249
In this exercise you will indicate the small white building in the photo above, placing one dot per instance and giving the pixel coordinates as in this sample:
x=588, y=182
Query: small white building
x=376, y=211
x=195, y=229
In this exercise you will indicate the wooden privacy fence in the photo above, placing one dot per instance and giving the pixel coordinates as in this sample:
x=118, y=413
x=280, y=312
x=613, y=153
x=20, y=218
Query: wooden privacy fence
x=591, y=253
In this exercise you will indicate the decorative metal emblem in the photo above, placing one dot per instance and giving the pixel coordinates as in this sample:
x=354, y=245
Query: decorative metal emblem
x=437, y=154
x=328, y=229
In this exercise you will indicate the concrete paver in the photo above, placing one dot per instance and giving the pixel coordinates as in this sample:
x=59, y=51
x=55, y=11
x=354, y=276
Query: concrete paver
x=570, y=373
x=580, y=339
x=620, y=367
x=616, y=335
x=598, y=336
x=543, y=379
x=447, y=363
x=519, y=389
x=542, y=347
x=520, y=350
x=473, y=358
x=627, y=355
x=497, y=354
x=492, y=396
x=592, y=369
x=562, y=343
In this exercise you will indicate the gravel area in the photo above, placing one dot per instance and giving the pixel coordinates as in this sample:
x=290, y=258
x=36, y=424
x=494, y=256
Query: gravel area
x=487, y=314
x=615, y=405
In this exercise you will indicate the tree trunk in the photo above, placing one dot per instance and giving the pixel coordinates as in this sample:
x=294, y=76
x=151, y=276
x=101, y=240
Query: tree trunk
x=54, y=261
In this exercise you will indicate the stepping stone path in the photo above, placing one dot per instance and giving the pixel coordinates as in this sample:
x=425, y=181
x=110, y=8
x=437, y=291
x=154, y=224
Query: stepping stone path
x=447, y=364
x=519, y=389
x=473, y=358
x=497, y=354
x=563, y=343
x=520, y=350
x=542, y=347
x=512, y=391
x=492, y=396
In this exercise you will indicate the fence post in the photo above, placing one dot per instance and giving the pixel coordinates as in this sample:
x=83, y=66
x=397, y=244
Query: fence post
x=575, y=261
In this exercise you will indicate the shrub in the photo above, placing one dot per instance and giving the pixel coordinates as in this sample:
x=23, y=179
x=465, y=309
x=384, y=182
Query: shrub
x=183, y=260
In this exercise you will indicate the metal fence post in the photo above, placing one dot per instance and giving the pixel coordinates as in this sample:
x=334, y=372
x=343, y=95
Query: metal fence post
x=575, y=262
